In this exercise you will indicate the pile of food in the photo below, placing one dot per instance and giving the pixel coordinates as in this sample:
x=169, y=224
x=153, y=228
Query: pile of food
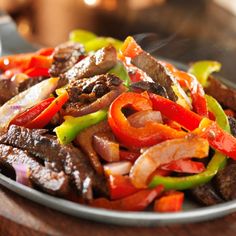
x=103, y=123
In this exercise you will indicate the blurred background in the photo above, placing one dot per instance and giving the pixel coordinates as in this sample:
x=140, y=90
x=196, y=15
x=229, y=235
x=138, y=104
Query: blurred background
x=184, y=30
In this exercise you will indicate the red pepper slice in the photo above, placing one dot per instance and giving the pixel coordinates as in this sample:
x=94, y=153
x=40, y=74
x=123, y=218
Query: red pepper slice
x=135, y=202
x=184, y=166
x=45, y=51
x=196, y=90
x=175, y=112
x=128, y=156
x=34, y=72
x=217, y=138
x=172, y=202
x=32, y=113
x=120, y=186
x=130, y=48
x=150, y=134
x=26, y=60
x=44, y=118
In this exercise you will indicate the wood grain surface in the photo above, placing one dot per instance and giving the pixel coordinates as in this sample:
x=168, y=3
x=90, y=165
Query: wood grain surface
x=21, y=217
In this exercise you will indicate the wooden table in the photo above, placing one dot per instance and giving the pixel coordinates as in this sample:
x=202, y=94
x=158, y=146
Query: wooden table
x=20, y=217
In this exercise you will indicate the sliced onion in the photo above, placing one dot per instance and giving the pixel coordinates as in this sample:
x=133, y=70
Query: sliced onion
x=106, y=147
x=141, y=118
x=85, y=141
x=118, y=168
x=99, y=104
x=165, y=152
x=22, y=173
x=25, y=100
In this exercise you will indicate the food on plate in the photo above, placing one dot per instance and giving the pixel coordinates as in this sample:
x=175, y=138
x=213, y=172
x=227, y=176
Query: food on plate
x=106, y=124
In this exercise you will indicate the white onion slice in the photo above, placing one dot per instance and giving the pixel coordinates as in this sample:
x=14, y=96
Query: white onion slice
x=118, y=168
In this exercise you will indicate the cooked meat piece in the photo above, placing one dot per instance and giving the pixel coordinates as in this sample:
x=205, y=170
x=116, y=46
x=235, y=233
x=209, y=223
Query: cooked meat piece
x=88, y=90
x=64, y=157
x=30, y=82
x=48, y=180
x=226, y=182
x=150, y=87
x=79, y=109
x=206, y=194
x=232, y=123
x=84, y=140
x=223, y=94
x=65, y=56
x=98, y=63
x=8, y=89
x=156, y=71
x=11, y=87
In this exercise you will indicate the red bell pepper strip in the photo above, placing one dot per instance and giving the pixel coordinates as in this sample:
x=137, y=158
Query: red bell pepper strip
x=150, y=134
x=120, y=186
x=45, y=51
x=171, y=202
x=217, y=138
x=130, y=48
x=135, y=202
x=35, y=72
x=44, y=118
x=184, y=166
x=196, y=90
x=175, y=112
x=128, y=156
x=31, y=113
x=23, y=61
x=229, y=112
x=39, y=62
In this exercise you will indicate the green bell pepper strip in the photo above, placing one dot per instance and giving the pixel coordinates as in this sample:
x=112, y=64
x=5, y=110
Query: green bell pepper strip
x=91, y=41
x=120, y=71
x=81, y=36
x=202, y=69
x=69, y=129
x=100, y=42
x=217, y=162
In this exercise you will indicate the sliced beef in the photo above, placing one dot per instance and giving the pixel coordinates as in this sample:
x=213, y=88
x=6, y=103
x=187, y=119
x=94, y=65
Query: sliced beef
x=8, y=89
x=63, y=157
x=232, y=123
x=65, y=56
x=206, y=194
x=30, y=82
x=11, y=87
x=93, y=94
x=150, y=87
x=88, y=90
x=156, y=71
x=48, y=180
x=98, y=63
x=223, y=94
x=226, y=182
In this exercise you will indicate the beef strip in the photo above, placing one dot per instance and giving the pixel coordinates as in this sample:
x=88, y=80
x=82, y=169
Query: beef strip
x=65, y=56
x=206, y=194
x=64, y=157
x=48, y=180
x=150, y=87
x=88, y=90
x=225, y=95
x=156, y=71
x=226, y=181
x=98, y=63
x=232, y=123
x=92, y=94
x=11, y=87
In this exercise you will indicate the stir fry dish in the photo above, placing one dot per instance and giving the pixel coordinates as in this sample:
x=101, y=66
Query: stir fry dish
x=103, y=123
